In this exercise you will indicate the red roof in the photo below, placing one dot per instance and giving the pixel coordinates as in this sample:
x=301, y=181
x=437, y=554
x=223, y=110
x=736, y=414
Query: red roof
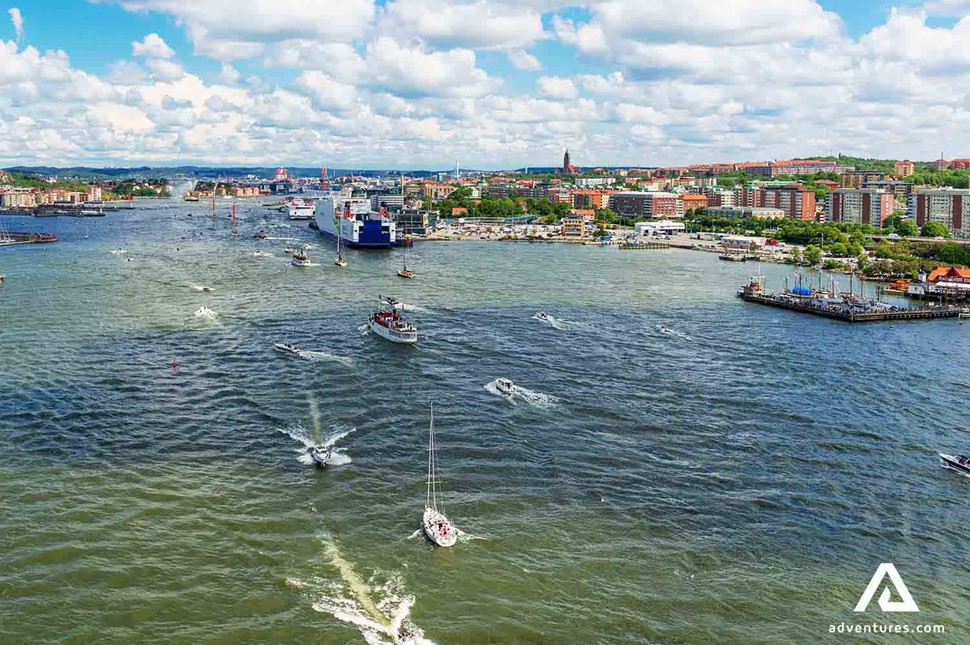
x=949, y=272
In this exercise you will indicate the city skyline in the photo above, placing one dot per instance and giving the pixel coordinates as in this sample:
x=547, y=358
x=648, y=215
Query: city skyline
x=412, y=84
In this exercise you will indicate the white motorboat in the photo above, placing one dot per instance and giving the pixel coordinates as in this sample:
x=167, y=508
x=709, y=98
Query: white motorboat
x=301, y=258
x=543, y=316
x=289, y=250
x=321, y=455
x=437, y=527
x=666, y=331
x=959, y=463
x=205, y=312
x=389, y=302
x=505, y=386
x=287, y=348
x=391, y=326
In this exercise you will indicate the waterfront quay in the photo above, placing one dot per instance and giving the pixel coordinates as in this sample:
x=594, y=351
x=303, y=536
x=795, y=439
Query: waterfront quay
x=847, y=313
x=9, y=238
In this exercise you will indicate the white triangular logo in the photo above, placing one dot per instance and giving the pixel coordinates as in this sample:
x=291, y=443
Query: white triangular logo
x=887, y=569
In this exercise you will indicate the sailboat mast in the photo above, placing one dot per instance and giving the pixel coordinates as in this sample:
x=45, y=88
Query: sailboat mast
x=431, y=499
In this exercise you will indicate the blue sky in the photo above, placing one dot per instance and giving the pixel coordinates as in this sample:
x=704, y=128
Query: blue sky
x=417, y=83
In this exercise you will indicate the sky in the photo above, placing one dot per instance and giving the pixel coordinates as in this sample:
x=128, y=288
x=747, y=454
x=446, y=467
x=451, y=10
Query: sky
x=490, y=84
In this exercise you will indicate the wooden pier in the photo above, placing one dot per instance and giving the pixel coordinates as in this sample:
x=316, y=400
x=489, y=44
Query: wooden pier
x=847, y=315
x=643, y=246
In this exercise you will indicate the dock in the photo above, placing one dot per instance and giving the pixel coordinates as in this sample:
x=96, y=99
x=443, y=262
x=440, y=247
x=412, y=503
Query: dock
x=643, y=246
x=9, y=239
x=848, y=314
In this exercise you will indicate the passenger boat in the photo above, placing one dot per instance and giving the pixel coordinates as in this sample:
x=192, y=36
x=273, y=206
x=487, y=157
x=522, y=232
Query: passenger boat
x=298, y=208
x=959, y=463
x=287, y=348
x=437, y=527
x=391, y=326
x=505, y=386
x=301, y=258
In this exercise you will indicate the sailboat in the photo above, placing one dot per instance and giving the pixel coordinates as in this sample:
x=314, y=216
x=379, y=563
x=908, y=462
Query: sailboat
x=234, y=231
x=404, y=272
x=437, y=527
x=339, y=260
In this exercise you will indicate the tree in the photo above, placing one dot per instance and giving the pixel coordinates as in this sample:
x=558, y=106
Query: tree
x=796, y=255
x=907, y=228
x=935, y=229
x=813, y=255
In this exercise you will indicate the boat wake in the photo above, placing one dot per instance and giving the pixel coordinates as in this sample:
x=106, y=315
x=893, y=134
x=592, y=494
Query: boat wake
x=205, y=313
x=537, y=399
x=310, y=439
x=551, y=321
x=379, y=607
x=262, y=254
x=667, y=331
x=119, y=252
x=313, y=355
x=403, y=306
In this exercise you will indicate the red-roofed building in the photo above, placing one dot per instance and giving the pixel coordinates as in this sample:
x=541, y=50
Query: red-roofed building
x=567, y=167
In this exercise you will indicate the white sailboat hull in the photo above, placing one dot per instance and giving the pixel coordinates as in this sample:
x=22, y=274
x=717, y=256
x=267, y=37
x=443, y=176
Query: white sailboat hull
x=438, y=528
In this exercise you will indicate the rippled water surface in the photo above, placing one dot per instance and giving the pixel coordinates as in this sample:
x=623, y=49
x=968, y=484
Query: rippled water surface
x=737, y=482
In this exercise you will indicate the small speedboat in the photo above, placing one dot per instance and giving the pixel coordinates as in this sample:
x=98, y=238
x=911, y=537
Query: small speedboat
x=389, y=301
x=289, y=250
x=666, y=331
x=959, y=463
x=543, y=316
x=321, y=455
x=262, y=235
x=287, y=348
x=2, y=278
x=505, y=386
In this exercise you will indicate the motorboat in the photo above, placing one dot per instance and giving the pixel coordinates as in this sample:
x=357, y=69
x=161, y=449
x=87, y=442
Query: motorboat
x=301, y=258
x=287, y=348
x=391, y=326
x=2, y=278
x=262, y=235
x=666, y=331
x=543, y=316
x=389, y=302
x=436, y=526
x=505, y=386
x=959, y=463
x=321, y=455
x=289, y=250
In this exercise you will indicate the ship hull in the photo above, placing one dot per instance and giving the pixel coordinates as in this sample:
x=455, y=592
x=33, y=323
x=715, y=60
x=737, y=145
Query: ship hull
x=361, y=231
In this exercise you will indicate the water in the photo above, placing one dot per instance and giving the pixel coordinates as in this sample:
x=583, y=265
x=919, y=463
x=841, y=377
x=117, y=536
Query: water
x=740, y=486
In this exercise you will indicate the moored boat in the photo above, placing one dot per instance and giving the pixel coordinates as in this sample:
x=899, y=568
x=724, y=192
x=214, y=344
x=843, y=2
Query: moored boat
x=298, y=208
x=352, y=220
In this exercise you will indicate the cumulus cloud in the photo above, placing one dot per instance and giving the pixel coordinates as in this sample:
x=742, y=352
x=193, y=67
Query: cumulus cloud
x=152, y=46
x=479, y=24
x=522, y=59
x=558, y=88
x=18, y=22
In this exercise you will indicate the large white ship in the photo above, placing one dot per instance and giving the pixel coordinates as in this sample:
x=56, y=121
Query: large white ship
x=353, y=220
x=299, y=208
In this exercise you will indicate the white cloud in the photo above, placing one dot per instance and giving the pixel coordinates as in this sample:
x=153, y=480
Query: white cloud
x=558, y=88
x=152, y=46
x=522, y=59
x=477, y=24
x=18, y=22
x=415, y=71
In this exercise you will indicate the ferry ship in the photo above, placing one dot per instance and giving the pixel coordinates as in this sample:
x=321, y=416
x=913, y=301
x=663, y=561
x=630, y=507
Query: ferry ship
x=298, y=208
x=353, y=220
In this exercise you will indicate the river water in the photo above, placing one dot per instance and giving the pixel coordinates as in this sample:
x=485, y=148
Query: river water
x=738, y=481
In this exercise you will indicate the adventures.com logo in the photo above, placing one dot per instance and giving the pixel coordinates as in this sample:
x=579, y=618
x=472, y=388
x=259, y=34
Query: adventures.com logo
x=887, y=579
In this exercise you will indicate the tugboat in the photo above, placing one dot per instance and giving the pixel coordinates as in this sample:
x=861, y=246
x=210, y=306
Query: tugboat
x=959, y=463
x=301, y=258
x=389, y=324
